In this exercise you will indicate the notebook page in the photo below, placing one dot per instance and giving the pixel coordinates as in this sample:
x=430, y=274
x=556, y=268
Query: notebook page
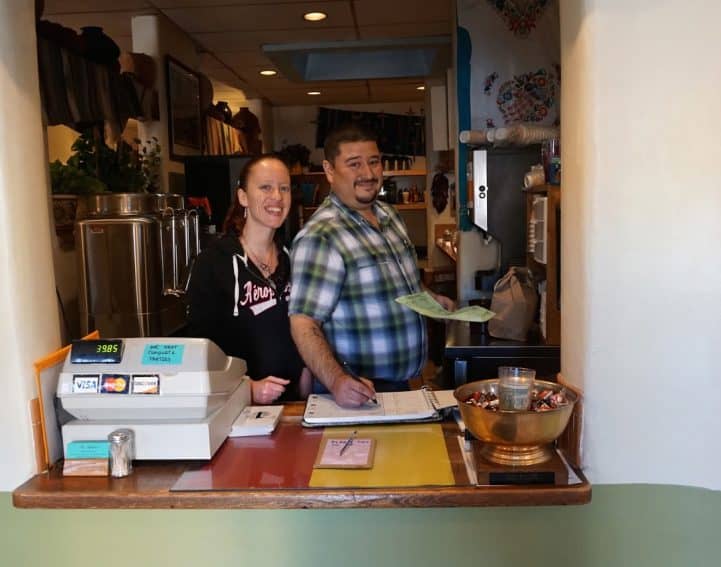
x=443, y=398
x=407, y=405
x=392, y=406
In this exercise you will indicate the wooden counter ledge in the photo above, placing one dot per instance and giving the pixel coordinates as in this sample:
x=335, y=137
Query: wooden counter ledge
x=150, y=484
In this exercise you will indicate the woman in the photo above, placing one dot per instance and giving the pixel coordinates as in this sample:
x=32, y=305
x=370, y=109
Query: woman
x=239, y=289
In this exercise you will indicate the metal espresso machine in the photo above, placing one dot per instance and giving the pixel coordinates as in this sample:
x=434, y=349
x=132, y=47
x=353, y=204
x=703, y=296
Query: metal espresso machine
x=135, y=255
x=179, y=396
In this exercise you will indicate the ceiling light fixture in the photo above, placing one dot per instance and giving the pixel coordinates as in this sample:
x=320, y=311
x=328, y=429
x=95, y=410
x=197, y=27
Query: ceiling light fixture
x=268, y=72
x=421, y=88
x=313, y=93
x=315, y=16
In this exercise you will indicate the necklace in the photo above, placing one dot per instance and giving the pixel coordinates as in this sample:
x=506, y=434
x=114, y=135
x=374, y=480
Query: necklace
x=266, y=268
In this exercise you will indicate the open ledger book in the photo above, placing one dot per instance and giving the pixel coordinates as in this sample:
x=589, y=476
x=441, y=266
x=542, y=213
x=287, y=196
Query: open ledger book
x=414, y=405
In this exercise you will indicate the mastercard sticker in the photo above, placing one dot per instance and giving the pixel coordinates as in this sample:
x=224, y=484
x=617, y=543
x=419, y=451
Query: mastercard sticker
x=115, y=384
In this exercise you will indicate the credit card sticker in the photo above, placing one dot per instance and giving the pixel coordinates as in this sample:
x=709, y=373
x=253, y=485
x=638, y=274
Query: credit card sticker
x=86, y=383
x=145, y=384
x=115, y=384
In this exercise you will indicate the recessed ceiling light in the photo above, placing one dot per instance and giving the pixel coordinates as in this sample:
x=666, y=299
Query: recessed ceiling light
x=268, y=72
x=313, y=93
x=421, y=88
x=315, y=16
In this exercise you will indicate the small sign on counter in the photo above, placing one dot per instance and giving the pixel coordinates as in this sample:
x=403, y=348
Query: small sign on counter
x=345, y=453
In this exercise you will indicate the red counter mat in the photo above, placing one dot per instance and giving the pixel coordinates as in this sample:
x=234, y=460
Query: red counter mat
x=281, y=460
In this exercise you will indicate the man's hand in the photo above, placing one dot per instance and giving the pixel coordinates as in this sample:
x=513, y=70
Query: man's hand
x=267, y=390
x=447, y=303
x=352, y=392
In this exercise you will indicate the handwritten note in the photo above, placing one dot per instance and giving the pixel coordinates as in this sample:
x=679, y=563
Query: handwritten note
x=160, y=353
x=424, y=304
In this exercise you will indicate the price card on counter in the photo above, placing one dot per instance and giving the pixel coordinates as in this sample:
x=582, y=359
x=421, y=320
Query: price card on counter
x=342, y=454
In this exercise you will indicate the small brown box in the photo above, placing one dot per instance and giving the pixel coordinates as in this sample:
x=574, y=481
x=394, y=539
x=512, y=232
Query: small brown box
x=85, y=467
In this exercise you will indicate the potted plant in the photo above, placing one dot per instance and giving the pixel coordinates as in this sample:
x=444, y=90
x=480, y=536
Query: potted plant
x=94, y=167
x=149, y=155
x=67, y=182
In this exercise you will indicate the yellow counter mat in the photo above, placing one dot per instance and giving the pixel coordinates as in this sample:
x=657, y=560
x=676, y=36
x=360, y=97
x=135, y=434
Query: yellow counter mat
x=405, y=455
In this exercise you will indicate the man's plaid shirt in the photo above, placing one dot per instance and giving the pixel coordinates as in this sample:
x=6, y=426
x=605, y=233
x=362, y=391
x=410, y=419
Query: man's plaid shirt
x=346, y=275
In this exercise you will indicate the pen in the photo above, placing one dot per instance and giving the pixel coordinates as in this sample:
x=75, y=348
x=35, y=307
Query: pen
x=348, y=443
x=355, y=377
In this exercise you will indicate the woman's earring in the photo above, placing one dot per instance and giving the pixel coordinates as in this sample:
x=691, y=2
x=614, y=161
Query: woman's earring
x=245, y=212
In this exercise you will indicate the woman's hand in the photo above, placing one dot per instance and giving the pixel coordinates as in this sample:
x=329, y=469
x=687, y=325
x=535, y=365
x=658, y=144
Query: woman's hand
x=267, y=390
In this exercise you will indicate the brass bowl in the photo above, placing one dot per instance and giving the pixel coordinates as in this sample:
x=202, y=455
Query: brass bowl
x=514, y=437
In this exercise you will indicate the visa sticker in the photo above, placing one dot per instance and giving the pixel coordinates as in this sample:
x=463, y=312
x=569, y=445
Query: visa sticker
x=115, y=384
x=145, y=384
x=158, y=353
x=85, y=383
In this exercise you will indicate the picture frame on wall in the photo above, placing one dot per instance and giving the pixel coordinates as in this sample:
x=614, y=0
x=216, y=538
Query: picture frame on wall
x=185, y=133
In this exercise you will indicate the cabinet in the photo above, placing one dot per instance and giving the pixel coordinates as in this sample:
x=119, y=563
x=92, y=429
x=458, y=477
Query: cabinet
x=543, y=255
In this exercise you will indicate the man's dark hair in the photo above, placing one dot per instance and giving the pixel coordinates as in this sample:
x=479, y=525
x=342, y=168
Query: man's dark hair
x=351, y=132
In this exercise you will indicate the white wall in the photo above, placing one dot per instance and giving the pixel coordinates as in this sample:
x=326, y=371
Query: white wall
x=29, y=326
x=641, y=281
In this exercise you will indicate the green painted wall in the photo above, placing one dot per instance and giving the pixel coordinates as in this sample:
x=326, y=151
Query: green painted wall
x=628, y=525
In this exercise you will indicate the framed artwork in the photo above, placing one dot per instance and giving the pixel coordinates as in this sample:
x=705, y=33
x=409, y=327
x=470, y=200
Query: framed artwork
x=184, y=118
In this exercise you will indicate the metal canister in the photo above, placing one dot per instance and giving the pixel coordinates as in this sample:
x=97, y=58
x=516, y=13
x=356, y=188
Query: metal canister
x=122, y=452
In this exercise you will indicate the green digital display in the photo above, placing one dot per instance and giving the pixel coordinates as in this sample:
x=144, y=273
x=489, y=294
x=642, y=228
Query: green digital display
x=108, y=351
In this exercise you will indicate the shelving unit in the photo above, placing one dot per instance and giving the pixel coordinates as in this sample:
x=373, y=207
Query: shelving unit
x=405, y=173
x=323, y=188
x=307, y=211
x=550, y=271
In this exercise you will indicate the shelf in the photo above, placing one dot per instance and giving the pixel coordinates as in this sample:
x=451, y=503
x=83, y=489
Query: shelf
x=307, y=211
x=545, y=188
x=388, y=173
x=309, y=174
x=404, y=172
x=410, y=206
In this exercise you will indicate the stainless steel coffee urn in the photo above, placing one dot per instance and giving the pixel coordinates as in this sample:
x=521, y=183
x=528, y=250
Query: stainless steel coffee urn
x=135, y=255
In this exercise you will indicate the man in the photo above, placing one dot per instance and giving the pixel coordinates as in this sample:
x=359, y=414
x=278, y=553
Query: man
x=349, y=263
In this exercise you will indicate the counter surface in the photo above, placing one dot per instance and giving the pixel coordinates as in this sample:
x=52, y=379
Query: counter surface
x=158, y=485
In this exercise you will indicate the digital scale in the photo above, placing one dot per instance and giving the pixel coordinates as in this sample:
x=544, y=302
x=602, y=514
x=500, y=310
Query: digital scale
x=180, y=396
